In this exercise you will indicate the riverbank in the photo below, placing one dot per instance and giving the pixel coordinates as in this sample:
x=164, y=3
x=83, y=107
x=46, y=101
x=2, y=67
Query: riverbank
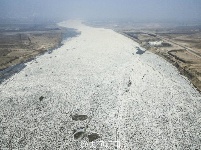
x=180, y=49
x=23, y=45
x=20, y=43
x=179, y=44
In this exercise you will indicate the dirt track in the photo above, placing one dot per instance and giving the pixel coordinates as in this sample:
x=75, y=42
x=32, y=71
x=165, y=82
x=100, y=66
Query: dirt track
x=96, y=88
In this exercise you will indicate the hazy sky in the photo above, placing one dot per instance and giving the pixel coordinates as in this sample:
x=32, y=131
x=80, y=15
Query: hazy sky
x=139, y=10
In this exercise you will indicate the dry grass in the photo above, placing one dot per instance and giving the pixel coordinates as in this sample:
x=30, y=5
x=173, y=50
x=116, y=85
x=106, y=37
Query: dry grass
x=17, y=47
x=187, y=62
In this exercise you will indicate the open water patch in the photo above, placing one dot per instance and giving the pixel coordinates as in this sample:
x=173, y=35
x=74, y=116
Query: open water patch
x=140, y=51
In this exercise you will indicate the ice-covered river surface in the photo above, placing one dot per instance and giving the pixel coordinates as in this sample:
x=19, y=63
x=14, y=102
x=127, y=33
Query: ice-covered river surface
x=96, y=92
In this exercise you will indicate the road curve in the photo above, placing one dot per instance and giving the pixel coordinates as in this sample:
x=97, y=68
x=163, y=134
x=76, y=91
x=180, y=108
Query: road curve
x=95, y=92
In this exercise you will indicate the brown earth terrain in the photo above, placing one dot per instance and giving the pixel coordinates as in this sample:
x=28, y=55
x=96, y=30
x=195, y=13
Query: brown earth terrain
x=20, y=43
x=180, y=46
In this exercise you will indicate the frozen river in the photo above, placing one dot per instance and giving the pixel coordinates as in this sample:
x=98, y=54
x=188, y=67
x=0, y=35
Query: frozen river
x=97, y=92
